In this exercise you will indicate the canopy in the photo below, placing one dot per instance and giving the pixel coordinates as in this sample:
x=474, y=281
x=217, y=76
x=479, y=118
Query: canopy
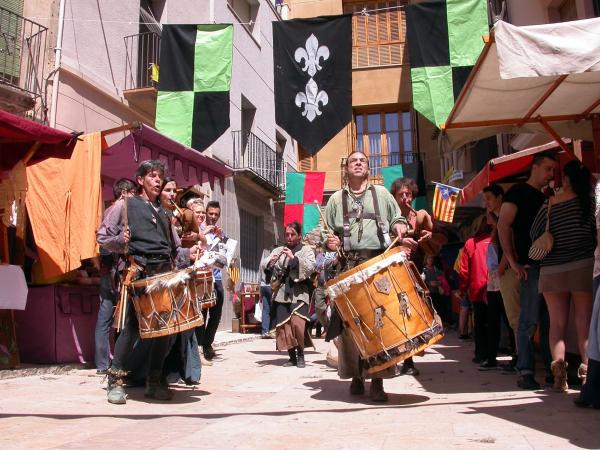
x=18, y=136
x=531, y=79
x=186, y=165
x=506, y=168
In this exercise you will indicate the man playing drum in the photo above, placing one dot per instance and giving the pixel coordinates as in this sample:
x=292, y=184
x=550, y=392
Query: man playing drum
x=142, y=229
x=363, y=215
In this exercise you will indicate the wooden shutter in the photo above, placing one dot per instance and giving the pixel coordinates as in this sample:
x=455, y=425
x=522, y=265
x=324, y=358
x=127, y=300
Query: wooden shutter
x=378, y=38
x=305, y=160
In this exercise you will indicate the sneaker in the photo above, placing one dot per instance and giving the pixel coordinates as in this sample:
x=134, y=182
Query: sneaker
x=116, y=395
x=265, y=336
x=508, y=368
x=209, y=352
x=477, y=360
x=101, y=371
x=488, y=365
x=528, y=383
x=409, y=369
x=190, y=382
x=357, y=387
x=204, y=361
x=464, y=337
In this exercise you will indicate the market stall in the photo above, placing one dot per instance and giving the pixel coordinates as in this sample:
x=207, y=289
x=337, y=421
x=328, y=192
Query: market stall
x=22, y=143
x=533, y=79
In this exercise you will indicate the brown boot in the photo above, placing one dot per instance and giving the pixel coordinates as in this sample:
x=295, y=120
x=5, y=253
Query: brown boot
x=376, y=391
x=157, y=388
x=559, y=370
x=582, y=373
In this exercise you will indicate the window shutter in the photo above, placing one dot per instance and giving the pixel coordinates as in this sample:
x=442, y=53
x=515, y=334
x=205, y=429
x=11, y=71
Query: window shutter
x=305, y=160
x=378, y=38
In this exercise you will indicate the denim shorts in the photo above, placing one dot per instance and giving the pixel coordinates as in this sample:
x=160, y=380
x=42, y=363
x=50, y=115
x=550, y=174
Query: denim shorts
x=465, y=303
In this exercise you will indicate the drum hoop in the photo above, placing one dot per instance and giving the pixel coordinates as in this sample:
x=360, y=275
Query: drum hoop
x=345, y=284
x=162, y=281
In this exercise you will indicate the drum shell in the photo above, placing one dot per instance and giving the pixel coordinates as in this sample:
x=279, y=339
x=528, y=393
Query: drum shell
x=169, y=307
x=205, y=289
x=403, y=334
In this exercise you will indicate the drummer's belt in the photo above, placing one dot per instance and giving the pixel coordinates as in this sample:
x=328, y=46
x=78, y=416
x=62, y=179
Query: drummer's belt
x=360, y=215
x=355, y=257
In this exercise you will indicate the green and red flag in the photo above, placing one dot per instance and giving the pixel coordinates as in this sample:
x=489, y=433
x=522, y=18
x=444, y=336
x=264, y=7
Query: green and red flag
x=303, y=196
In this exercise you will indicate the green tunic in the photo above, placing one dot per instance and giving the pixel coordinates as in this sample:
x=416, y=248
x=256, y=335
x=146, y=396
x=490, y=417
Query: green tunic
x=388, y=208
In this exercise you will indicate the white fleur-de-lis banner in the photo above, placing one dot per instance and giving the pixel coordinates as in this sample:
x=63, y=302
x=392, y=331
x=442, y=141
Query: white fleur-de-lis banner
x=313, y=78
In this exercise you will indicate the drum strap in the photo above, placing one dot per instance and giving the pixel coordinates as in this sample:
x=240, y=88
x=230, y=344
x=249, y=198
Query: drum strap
x=384, y=236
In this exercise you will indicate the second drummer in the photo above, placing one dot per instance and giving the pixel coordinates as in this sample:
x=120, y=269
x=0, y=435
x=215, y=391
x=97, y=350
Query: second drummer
x=152, y=242
x=363, y=215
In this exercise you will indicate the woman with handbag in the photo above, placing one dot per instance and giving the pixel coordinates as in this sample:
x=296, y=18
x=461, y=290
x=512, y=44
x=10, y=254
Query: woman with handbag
x=564, y=239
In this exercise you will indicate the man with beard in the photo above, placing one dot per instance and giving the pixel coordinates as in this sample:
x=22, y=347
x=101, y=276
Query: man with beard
x=363, y=215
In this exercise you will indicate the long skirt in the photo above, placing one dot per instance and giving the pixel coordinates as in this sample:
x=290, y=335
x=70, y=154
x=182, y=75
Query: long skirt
x=291, y=331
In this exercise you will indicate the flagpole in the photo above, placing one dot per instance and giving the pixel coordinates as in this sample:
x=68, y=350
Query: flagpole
x=448, y=186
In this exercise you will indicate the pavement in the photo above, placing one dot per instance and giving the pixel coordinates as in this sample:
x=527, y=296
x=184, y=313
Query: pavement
x=248, y=400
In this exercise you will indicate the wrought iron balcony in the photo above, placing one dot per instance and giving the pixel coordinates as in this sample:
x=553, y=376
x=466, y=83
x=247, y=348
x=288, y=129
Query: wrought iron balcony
x=253, y=154
x=377, y=162
x=142, y=53
x=22, y=59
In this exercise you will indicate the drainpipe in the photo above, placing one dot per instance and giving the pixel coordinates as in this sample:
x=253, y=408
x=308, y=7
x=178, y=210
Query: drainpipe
x=57, y=57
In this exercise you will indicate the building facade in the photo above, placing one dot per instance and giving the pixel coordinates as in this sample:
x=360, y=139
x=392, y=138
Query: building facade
x=96, y=70
x=384, y=125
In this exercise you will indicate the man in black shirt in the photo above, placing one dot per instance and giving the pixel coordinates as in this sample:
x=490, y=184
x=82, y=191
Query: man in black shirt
x=521, y=204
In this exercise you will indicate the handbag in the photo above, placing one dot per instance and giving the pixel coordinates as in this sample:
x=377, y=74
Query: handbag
x=258, y=311
x=542, y=245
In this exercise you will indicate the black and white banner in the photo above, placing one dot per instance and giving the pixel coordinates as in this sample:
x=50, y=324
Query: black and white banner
x=313, y=78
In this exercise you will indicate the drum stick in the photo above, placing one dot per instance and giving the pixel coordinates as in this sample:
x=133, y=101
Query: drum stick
x=392, y=244
x=326, y=227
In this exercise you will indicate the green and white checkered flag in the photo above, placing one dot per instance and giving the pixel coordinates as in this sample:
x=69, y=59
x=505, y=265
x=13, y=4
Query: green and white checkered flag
x=195, y=75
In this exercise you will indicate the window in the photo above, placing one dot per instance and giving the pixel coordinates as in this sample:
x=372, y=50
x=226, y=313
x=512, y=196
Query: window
x=247, y=12
x=377, y=38
x=386, y=138
x=306, y=162
x=251, y=245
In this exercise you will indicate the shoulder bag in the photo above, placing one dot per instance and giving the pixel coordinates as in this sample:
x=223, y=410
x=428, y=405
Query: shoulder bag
x=541, y=246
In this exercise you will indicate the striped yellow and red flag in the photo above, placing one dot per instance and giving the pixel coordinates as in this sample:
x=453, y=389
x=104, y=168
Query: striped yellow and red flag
x=445, y=199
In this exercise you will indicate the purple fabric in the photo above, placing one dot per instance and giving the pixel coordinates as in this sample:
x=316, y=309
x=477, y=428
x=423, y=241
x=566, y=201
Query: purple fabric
x=186, y=165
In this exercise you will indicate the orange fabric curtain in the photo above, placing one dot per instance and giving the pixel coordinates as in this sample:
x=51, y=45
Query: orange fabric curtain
x=64, y=203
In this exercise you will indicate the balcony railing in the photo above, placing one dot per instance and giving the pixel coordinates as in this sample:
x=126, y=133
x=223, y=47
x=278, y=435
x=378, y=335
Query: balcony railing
x=22, y=58
x=377, y=162
x=252, y=153
x=142, y=53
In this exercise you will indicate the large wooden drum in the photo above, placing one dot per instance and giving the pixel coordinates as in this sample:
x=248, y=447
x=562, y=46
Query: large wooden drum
x=166, y=304
x=386, y=307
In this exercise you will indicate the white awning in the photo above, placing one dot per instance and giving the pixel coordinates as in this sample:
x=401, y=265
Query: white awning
x=531, y=79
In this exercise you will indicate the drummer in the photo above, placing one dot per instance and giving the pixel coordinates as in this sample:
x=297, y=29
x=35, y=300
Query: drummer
x=420, y=227
x=154, y=246
x=363, y=215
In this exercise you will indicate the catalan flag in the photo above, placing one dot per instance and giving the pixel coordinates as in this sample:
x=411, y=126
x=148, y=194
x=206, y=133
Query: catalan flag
x=445, y=199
